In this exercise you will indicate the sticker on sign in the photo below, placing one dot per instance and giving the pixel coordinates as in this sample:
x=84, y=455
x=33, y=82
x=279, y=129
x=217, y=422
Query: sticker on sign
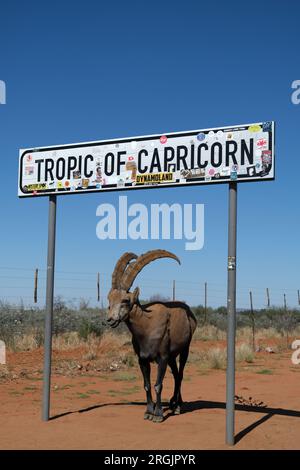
x=207, y=156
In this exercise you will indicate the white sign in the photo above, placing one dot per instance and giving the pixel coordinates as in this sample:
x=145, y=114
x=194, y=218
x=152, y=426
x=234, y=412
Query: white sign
x=239, y=153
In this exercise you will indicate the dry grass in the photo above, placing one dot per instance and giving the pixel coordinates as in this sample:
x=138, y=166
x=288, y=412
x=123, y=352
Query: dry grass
x=209, y=333
x=245, y=334
x=26, y=342
x=4, y=372
x=216, y=358
x=111, y=343
x=113, y=350
x=66, y=341
x=244, y=353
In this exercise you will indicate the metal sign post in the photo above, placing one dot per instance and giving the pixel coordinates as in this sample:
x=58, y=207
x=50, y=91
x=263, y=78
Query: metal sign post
x=49, y=308
x=231, y=314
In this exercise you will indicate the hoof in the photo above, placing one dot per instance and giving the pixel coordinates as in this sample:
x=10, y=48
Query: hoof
x=148, y=415
x=157, y=419
x=177, y=410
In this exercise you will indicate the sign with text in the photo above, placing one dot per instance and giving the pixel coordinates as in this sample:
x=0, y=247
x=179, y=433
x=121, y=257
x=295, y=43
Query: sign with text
x=238, y=153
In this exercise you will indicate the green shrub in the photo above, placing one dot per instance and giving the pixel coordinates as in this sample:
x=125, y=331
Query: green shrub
x=88, y=327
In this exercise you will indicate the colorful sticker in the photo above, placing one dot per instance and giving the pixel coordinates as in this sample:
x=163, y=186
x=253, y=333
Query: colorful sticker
x=29, y=159
x=231, y=263
x=85, y=182
x=67, y=184
x=233, y=175
x=151, y=178
x=201, y=137
x=266, y=157
x=35, y=187
x=163, y=139
x=211, y=172
x=254, y=128
x=262, y=144
x=120, y=183
x=29, y=170
x=131, y=166
x=98, y=174
x=76, y=175
x=267, y=126
x=195, y=173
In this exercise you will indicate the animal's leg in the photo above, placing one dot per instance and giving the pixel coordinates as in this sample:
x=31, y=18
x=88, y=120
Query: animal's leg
x=161, y=370
x=182, y=362
x=145, y=368
x=174, y=369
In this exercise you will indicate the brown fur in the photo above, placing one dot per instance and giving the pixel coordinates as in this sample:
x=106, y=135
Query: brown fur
x=161, y=331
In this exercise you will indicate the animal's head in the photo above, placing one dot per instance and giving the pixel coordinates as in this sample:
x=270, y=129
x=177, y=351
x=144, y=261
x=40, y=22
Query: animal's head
x=120, y=299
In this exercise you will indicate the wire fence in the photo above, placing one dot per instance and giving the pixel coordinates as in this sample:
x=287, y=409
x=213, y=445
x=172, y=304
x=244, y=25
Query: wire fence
x=18, y=285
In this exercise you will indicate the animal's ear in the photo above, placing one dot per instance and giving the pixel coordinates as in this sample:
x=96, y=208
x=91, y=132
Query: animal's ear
x=136, y=293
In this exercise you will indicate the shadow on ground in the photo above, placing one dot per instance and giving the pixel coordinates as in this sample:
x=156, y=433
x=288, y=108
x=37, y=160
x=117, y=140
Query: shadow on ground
x=190, y=407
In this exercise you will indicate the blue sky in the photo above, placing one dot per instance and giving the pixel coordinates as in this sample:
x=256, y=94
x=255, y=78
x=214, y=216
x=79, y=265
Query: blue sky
x=80, y=71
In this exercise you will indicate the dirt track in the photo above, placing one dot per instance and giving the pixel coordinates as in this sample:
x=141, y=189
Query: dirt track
x=105, y=410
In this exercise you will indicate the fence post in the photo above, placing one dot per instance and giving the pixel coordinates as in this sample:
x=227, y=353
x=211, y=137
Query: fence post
x=268, y=298
x=252, y=321
x=36, y=273
x=98, y=287
x=205, y=302
x=284, y=301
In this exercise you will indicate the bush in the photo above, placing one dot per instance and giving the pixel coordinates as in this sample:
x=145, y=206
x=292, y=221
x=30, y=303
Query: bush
x=244, y=353
x=88, y=327
x=217, y=358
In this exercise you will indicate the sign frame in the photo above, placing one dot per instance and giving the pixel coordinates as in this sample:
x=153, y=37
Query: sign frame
x=193, y=181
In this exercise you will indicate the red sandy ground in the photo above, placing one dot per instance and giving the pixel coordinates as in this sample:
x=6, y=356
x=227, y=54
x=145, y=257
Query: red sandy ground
x=93, y=410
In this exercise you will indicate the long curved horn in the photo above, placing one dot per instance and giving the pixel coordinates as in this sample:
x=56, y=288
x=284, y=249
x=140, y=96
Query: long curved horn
x=136, y=266
x=120, y=268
